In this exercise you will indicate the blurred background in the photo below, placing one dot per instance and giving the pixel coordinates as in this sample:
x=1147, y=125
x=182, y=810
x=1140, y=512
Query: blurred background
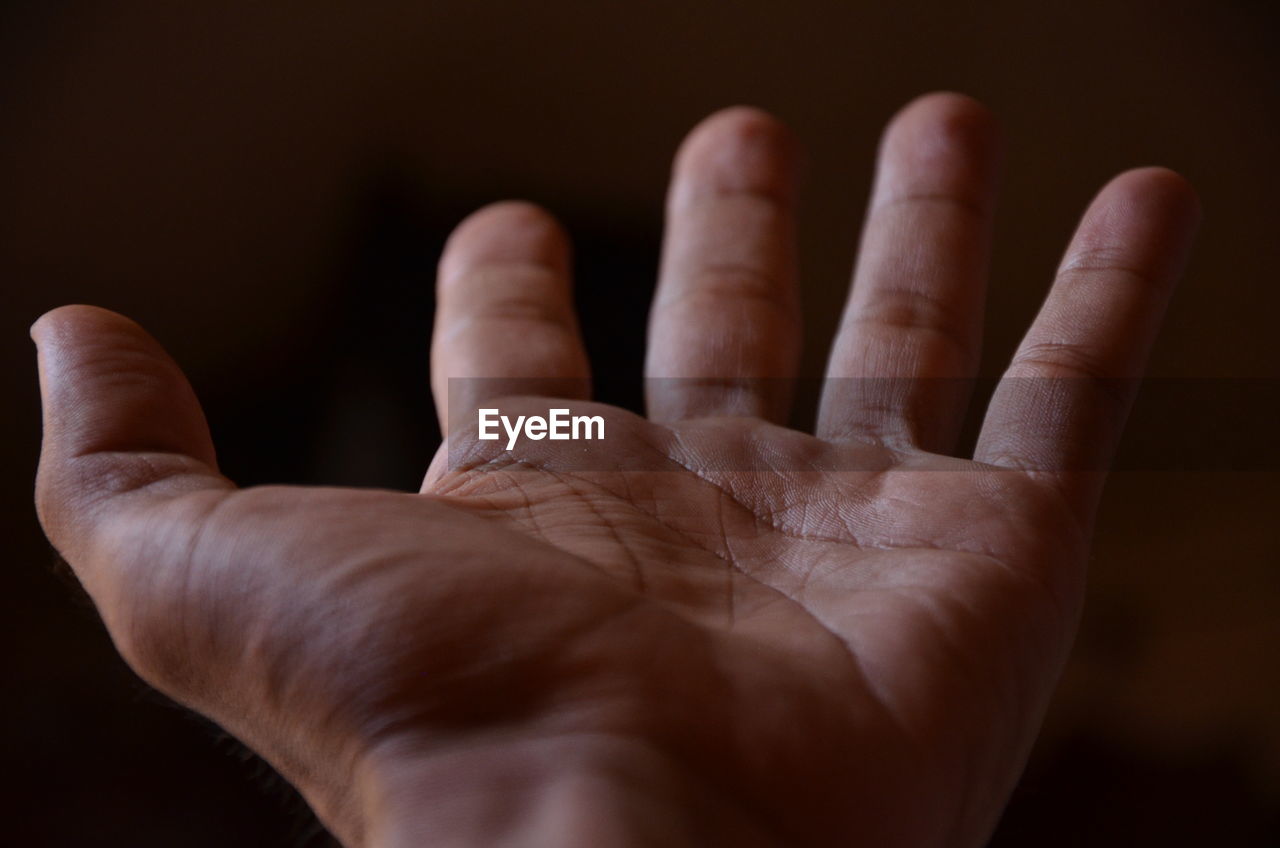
x=266, y=185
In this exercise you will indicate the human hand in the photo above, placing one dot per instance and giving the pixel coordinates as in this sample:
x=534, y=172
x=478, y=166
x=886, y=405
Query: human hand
x=711, y=629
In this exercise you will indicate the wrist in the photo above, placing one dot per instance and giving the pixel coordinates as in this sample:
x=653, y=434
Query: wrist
x=563, y=791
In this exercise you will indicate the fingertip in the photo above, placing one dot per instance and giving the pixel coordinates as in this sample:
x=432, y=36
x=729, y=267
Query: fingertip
x=946, y=120
x=744, y=125
x=519, y=215
x=506, y=232
x=76, y=318
x=945, y=101
x=90, y=340
x=108, y=385
x=740, y=148
x=941, y=144
x=1158, y=178
x=1156, y=189
x=1149, y=215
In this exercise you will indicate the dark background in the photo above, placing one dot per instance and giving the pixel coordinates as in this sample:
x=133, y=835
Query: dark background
x=266, y=185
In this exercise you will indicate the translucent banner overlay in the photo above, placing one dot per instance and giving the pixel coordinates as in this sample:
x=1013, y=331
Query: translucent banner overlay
x=867, y=424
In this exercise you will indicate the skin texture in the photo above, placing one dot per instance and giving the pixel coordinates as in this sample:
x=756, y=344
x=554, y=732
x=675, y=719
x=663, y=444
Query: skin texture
x=705, y=629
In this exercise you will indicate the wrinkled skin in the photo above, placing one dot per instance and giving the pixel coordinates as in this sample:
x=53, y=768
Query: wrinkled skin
x=704, y=629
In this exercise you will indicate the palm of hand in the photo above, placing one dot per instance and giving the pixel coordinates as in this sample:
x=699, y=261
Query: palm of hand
x=730, y=637
x=815, y=646
x=836, y=645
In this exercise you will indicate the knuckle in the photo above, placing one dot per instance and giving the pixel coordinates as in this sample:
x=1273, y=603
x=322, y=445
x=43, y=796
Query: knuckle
x=909, y=310
x=525, y=294
x=720, y=285
x=954, y=202
x=1106, y=260
x=737, y=280
x=72, y=493
x=1071, y=363
x=924, y=322
x=1063, y=359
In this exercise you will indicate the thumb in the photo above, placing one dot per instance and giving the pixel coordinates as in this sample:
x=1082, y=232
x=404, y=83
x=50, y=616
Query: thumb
x=121, y=427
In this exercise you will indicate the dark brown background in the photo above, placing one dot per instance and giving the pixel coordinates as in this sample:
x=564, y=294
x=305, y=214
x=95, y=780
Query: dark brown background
x=265, y=185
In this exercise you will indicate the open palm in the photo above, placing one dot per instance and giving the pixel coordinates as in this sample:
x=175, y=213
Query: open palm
x=704, y=628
